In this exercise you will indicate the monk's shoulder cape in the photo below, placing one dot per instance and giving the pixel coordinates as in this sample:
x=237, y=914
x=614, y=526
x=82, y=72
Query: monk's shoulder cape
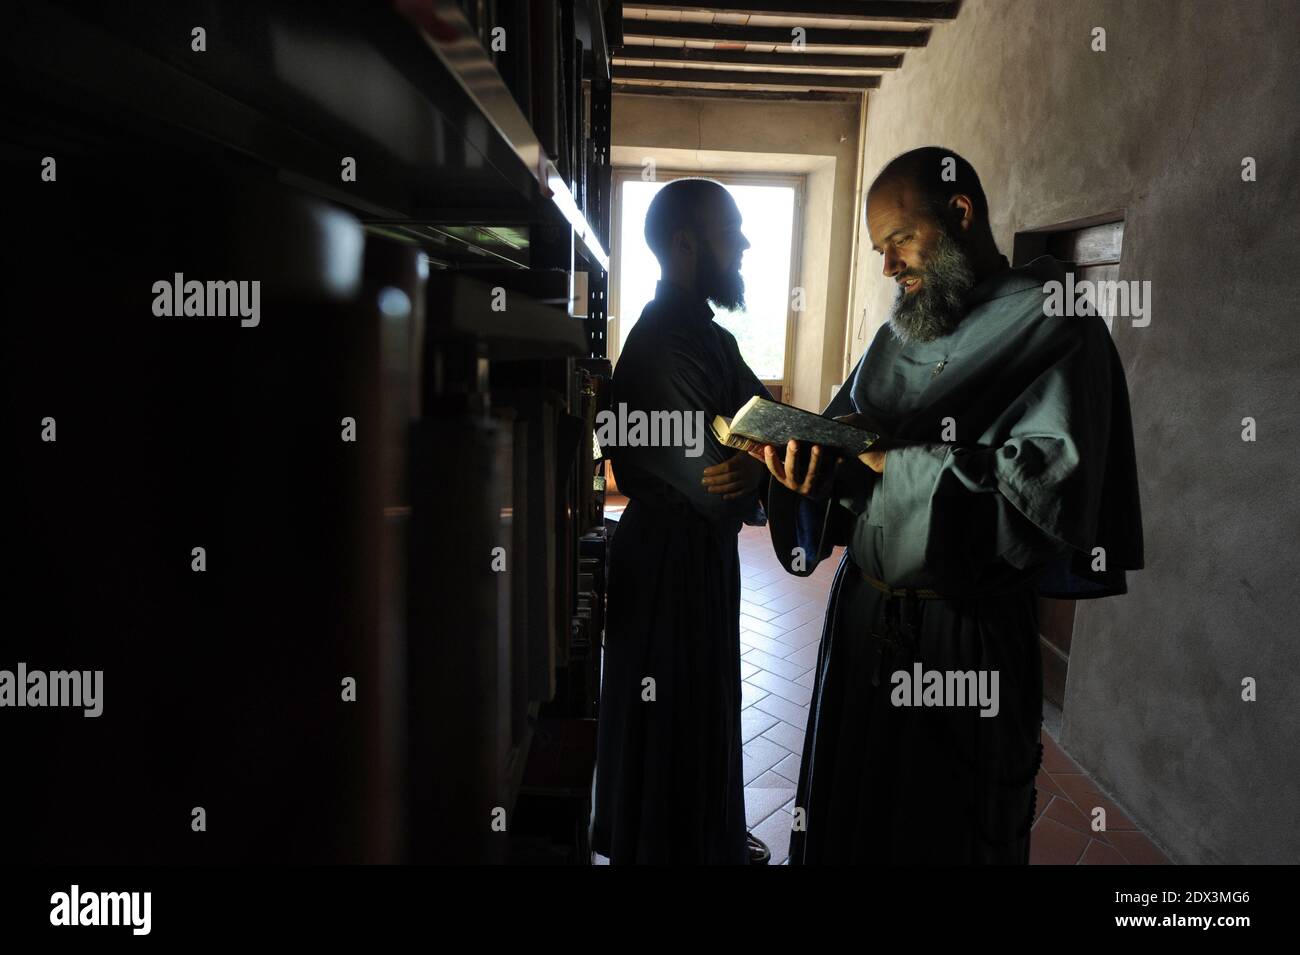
x=1018, y=419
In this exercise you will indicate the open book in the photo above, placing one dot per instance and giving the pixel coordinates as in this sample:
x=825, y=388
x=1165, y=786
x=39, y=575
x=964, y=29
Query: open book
x=760, y=421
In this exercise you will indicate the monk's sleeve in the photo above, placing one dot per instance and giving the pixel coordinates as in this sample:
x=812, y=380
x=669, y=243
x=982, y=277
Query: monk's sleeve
x=804, y=532
x=679, y=382
x=954, y=517
x=750, y=386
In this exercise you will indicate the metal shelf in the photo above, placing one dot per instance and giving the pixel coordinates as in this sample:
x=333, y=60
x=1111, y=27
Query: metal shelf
x=437, y=138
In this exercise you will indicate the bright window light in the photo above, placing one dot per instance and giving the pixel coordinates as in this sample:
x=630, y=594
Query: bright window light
x=767, y=220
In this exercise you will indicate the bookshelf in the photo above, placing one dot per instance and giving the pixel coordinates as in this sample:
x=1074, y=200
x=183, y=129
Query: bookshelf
x=475, y=171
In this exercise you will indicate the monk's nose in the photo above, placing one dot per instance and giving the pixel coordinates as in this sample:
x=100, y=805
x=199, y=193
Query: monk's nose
x=893, y=265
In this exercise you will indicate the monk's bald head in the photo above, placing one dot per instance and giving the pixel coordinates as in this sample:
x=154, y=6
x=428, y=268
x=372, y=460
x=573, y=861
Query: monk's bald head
x=693, y=227
x=689, y=204
x=926, y=180
x=928, y=219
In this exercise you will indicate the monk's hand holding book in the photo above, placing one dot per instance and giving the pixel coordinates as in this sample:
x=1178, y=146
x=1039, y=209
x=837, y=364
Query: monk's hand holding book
x=801, y=449
x=804, y=469
x=761, y=421
x=874, y=459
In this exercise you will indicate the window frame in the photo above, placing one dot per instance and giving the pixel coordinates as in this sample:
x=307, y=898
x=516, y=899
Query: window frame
x=795, y=181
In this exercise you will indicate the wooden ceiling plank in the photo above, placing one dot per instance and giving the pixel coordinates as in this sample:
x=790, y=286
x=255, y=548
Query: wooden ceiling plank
x=727, y=56
x=914, y=11
x=743, y=78
x=815, y=36
x=776, y=96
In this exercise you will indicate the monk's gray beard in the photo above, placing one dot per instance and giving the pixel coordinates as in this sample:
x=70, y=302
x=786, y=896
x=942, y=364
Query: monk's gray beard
x=939, y=305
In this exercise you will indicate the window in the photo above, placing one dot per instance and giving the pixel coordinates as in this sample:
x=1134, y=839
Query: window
x=769, y=209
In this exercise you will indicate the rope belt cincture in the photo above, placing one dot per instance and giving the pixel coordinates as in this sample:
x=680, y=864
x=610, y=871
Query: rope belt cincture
x=899, y=633
x=901, y=624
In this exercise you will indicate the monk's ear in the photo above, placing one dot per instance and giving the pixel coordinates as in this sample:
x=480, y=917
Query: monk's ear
x=962, y=211
x=684, y=243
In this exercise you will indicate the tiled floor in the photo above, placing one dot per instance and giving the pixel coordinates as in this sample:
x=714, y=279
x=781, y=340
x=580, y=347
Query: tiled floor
x=1067, y=801
x=780, y=631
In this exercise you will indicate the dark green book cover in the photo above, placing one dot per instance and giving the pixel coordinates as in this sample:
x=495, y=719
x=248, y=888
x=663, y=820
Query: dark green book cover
x=760, y=421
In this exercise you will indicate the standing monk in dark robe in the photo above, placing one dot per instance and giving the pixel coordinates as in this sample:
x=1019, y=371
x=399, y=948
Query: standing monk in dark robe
x=1008, y=473
x=669, y=784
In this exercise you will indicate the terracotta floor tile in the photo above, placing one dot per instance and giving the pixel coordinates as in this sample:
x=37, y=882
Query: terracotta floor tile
x=792, y=601
x=810, y=632
x=1136, y=848
x=805, y=656
x=1044, y=783
x=757, y=611
x=1083, y=793
x=789, y=767
x=771, y=780
x=1054, y=844
x=775, y=831
x=770, y=572
x=757, y=641
x=1043, y=801
x=781, y=639
x=825, y=571
x=1054, y=758
x=804, y=613
x=792, y=713
x=787, y=689
x=754, y=722
x=761, y=755
x=763, y=628
x=815, y=590
x=774, y=664
x=778, y=588
x=762, y=801
x=1098, y=853
x=783, y=734
x=1068, y=814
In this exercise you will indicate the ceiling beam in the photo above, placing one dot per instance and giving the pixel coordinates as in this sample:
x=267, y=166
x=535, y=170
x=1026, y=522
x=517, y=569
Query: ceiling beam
x=775, y=96
x=763, y=80
x=781, y=36
x=917, y=11
x=686, y=54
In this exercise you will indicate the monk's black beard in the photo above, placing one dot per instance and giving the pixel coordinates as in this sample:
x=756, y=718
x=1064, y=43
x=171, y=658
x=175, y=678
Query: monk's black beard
x=939, y=305
x=724, y=289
